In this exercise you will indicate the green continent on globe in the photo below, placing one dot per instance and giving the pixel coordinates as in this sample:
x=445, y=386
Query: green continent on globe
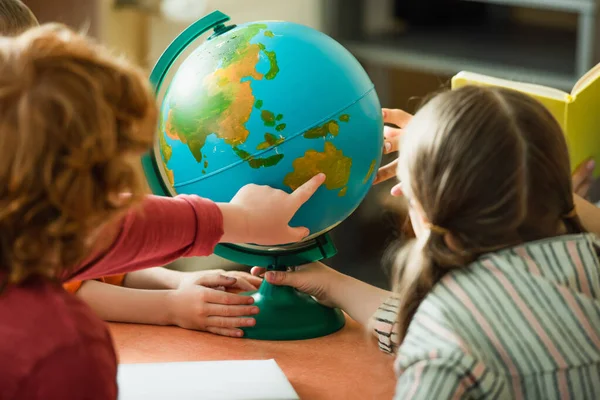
x=226, y=100
x=257, y=162
x=328, y=128
x=321, y=131
x=331, y=162
x=268, y=117
x=166, y=152
x=270, y=140
x=274, y=69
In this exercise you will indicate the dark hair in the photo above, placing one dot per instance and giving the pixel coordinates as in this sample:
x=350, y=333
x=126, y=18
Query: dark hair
x=15, y=18
x=489, y=169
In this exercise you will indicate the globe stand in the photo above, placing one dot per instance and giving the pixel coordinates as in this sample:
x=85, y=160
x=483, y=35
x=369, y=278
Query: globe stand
x=285, y=313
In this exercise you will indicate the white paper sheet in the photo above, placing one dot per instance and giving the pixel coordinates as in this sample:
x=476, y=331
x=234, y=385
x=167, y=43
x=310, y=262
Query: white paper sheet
x=206, y=380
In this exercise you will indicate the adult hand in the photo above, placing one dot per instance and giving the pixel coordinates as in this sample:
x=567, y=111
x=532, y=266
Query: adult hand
x=200, y=305
x=261, y=214
x=392, y=138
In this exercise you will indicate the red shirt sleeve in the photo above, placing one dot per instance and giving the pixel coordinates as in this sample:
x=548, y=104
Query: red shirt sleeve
x=163, y=230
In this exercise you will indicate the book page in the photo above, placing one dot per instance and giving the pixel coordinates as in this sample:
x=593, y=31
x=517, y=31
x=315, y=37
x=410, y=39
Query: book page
x=583, y=125
x=463, y=78
x=556, y=101
x=207, y=380
x=586, y=80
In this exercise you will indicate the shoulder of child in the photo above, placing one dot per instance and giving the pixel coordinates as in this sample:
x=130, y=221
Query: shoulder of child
x=446, y=375
x=70, y=357
x=78, y=371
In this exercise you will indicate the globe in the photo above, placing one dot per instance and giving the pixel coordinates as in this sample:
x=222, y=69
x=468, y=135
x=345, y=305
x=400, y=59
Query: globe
x=272, y=103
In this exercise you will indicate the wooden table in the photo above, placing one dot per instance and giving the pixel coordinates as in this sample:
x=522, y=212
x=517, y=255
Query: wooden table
x=344, y=365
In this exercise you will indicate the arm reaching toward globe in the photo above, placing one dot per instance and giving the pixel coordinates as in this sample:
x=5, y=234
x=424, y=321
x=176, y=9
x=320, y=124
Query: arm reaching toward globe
x=200, y=300
x=331, y=288
x=184, y=226
x=261, y=215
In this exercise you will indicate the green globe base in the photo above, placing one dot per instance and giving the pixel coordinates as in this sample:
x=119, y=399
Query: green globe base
x=287, y=314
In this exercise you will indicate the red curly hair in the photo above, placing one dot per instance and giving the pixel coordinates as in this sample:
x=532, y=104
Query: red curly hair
x=74, y=121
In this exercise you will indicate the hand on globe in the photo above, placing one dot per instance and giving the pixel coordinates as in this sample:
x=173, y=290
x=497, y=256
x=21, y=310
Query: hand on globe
x=243, y=281
x=582, y=176
x=331, y=288
x=261, y=214
x=313, y=279
x=392, y=137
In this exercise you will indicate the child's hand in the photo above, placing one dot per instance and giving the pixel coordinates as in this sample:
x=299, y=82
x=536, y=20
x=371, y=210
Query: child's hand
x=392, y=135
x=261, y=214
x=313, y=279
x=582, y=178
x=244, y=282
x=201, y=306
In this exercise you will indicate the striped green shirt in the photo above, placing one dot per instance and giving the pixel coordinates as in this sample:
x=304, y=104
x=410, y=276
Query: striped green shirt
x=522, y=323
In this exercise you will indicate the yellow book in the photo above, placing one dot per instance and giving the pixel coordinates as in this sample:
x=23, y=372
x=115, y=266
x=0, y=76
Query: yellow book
x=578, y=112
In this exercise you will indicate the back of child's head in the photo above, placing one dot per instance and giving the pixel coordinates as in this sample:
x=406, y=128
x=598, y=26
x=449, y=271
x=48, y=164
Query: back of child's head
x=73, y=124
x=488, y=169
x=15, y=18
